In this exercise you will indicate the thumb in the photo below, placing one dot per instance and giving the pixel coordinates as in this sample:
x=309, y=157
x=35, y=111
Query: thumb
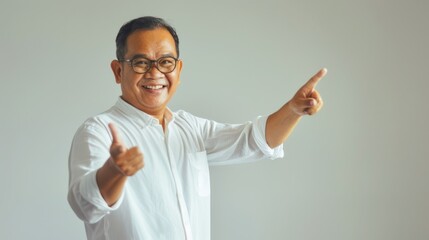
x=117, y=146
x=116, y=139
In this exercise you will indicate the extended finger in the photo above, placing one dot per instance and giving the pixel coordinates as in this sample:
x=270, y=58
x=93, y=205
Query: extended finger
x=116, y=139
x=311, y=84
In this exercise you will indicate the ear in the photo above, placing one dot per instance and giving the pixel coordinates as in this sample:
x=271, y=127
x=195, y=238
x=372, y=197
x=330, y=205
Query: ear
x=179, y=65
x=117, y=70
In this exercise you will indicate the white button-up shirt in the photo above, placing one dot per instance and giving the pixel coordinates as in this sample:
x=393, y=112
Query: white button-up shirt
x=170, y=197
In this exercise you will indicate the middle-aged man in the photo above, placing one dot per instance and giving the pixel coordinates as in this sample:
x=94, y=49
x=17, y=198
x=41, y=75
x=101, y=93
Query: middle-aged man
x=139, y=170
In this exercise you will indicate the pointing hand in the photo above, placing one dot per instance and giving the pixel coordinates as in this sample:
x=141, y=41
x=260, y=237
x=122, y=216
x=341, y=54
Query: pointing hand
x=307, y=100
x=126, y=161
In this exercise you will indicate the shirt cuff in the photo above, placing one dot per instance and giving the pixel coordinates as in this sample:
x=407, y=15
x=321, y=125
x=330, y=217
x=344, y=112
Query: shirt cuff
x=91, y=193
x=259, y=135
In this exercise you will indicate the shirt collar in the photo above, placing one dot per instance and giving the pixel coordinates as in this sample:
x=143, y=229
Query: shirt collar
x=141, y=116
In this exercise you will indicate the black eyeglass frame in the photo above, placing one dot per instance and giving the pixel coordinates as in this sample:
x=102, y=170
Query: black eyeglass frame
x=152, y=63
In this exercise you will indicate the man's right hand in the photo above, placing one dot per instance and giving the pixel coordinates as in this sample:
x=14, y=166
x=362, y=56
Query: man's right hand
x=126, y=161
x=122, y=163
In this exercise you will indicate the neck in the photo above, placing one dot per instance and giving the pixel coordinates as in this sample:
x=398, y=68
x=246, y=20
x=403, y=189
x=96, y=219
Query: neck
x=160, y=115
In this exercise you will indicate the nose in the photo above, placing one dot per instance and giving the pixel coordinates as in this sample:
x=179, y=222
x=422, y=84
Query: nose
x=153, y=71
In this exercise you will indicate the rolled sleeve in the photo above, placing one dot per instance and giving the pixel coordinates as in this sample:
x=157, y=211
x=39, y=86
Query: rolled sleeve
x=91, y=193
x=259, y=126
x=86, y=200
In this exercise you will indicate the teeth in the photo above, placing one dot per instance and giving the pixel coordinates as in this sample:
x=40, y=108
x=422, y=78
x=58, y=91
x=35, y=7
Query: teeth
x=153, y=86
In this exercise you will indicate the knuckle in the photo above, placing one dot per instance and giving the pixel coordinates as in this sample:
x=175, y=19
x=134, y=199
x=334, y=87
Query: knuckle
x=128, y=172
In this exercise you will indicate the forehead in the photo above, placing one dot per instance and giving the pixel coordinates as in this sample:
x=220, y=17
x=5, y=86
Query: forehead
x=152, y=43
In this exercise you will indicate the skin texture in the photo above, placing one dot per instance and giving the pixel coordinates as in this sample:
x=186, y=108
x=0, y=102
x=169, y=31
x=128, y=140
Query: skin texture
x=153, y=44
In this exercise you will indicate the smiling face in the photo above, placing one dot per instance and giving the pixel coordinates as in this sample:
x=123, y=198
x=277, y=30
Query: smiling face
x=150, y=92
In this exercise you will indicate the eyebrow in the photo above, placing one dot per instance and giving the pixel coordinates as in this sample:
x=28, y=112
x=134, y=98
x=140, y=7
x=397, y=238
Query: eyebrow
x=145, y=56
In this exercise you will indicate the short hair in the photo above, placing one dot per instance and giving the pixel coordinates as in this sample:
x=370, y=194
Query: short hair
x=142, y=23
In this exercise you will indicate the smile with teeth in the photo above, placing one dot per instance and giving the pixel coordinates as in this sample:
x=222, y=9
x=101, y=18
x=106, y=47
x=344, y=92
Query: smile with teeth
x=154, y=87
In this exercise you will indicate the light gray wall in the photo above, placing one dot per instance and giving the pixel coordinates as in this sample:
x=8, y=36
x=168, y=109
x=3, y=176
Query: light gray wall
x=357, y=170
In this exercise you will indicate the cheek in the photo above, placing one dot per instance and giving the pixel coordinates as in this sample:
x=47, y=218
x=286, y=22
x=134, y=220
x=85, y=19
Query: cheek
x=130, y=85
x=174, y=85
x=174, y=79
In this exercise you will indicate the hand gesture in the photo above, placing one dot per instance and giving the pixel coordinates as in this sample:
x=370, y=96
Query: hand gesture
x=307, y=100
x=126, y=161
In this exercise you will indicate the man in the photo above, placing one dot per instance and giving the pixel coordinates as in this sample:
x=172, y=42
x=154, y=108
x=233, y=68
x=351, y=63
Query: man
x=139, y=170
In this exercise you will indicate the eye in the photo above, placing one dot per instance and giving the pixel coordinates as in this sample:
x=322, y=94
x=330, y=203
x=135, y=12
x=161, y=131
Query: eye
x=141, y=62
x=166, y=62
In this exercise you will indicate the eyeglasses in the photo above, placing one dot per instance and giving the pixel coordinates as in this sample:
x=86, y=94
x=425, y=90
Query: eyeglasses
x=142, y=65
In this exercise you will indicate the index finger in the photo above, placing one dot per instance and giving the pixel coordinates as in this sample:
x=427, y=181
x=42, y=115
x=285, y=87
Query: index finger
x=316, y=78
x=115, y=133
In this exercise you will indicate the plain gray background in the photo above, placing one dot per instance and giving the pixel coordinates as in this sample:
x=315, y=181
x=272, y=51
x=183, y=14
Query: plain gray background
x=357, y=170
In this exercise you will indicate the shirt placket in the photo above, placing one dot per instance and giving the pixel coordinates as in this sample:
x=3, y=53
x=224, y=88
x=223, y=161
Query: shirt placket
x=179, y=189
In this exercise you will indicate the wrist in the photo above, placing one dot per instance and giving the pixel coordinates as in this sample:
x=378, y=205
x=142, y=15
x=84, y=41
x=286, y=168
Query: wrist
x=110, y=182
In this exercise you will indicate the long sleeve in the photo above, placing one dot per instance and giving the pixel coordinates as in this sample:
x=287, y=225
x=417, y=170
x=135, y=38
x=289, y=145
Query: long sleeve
x=237, y=143
x=89, y=151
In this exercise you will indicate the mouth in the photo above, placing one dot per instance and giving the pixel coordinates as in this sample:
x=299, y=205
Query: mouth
x=154, y=87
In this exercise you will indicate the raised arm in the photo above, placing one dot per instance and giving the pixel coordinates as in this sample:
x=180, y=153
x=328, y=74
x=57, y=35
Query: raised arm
x=123, y=162
x=306, y=101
